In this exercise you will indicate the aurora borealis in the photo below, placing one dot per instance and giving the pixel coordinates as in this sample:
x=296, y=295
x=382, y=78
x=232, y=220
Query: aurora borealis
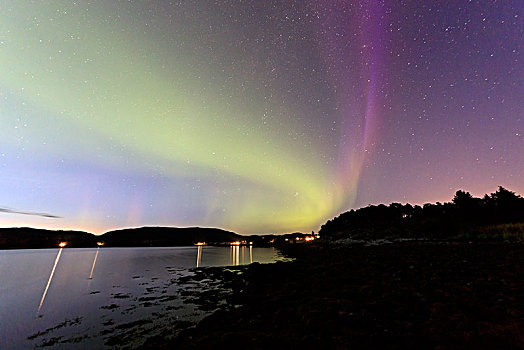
x=253, y=116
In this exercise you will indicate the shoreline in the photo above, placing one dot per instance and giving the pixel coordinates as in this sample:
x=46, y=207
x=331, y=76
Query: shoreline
x=405, y=295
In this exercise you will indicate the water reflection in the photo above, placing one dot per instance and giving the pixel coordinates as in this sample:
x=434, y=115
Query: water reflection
x=237, y=260
x=199, y=256
x=50, y=277
x=123, y=276
x=94, y=262
x=237, y=254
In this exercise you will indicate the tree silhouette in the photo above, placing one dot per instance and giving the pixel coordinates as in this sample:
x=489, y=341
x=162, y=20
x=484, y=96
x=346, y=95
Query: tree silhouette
x=462, y=198
x=440, y=220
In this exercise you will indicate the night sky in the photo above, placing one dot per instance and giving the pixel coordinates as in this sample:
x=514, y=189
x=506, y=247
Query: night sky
x=253, y=116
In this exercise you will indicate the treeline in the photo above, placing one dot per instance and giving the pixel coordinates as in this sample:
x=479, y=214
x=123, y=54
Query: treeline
x=497, y=215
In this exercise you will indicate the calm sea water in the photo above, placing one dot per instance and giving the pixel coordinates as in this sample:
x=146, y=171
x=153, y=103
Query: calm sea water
x=92, y=298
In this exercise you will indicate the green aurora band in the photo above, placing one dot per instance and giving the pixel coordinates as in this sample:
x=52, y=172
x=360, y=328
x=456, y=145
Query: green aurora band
x=128, y=98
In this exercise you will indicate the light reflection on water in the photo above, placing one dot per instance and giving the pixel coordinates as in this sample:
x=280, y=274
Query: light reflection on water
x=92, y=295
x=199, y=256
x=94, y=262
x=241, y=254
x=50, y=279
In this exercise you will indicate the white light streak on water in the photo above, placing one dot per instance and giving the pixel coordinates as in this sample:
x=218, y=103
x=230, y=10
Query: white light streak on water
x=50, y=278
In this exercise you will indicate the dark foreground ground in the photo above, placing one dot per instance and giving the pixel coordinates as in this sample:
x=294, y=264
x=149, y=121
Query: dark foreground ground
x=408, y=295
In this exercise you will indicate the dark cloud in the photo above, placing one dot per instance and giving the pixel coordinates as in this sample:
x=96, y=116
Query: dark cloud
x=12, y=211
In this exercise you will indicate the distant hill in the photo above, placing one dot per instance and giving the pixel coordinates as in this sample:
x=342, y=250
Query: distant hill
x=29, y=238
x=166, y=236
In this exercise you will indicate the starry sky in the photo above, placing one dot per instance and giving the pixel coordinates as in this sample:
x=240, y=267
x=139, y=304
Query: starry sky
x=253, y=116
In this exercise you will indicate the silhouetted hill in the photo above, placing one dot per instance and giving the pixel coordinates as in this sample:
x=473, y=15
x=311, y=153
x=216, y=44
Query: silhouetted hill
x=29, y=238
x=166, y=236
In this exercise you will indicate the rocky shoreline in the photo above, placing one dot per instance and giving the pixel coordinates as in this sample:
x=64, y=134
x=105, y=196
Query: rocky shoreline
x=402, y=295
